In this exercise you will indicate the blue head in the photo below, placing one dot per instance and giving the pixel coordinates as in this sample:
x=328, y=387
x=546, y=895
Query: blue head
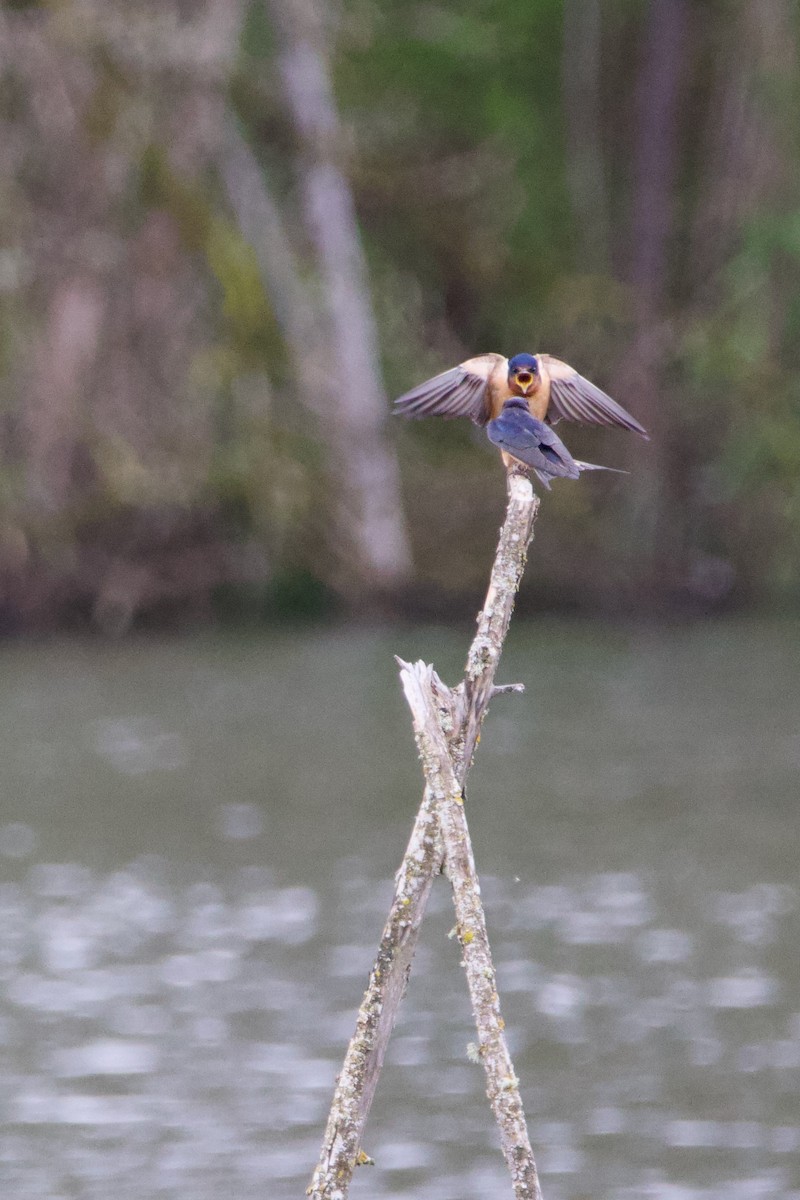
x=523, y=374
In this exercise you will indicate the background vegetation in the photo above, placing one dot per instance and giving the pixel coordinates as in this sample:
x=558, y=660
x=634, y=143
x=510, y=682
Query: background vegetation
x=230, y=231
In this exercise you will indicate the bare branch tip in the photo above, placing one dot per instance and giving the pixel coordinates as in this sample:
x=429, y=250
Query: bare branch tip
x=520, y=488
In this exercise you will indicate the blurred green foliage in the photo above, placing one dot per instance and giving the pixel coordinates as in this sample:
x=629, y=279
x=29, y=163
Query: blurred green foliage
x=181, y=430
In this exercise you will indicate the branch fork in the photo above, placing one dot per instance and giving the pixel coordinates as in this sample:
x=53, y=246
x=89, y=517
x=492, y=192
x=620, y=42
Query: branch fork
x=447, y=724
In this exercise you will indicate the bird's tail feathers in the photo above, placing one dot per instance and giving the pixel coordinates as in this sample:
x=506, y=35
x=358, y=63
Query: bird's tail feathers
x=544, y=478
x=584, y=466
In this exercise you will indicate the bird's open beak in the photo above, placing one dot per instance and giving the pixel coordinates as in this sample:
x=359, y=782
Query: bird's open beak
x=524, y=379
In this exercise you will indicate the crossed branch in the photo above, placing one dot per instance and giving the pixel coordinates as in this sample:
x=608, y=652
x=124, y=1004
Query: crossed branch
x=447, y=724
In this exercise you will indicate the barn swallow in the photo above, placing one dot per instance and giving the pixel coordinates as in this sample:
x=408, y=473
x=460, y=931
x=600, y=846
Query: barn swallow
x=524, y=439
x=479, y=387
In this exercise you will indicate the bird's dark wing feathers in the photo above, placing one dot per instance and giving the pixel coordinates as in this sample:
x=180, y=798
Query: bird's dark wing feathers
x=533, y=443
x=576, y=399
x=454, y=393
x=550, y=452
x=459, y=392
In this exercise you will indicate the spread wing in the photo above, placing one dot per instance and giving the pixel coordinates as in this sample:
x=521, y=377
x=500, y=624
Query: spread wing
x=576, y=399
x=459, y=392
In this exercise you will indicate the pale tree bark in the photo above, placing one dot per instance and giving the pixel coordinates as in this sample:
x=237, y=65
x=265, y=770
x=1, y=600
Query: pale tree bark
x=294, y=301
x=447, y=724
x=367, y=468
x=261, y=224
x=56, y=401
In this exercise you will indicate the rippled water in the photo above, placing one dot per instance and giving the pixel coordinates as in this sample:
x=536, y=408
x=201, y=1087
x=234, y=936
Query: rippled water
x=196, y=849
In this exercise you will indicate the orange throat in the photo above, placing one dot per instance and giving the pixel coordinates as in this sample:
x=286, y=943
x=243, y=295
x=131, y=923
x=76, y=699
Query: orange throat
x=525, y=388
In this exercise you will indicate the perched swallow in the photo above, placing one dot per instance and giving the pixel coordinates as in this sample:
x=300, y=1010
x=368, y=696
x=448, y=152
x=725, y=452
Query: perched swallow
x=528, y=440
x=479, y=387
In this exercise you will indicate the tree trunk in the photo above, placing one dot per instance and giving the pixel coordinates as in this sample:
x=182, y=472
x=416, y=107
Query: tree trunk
x=656, y=160
x=367, y=467
x=580, y=82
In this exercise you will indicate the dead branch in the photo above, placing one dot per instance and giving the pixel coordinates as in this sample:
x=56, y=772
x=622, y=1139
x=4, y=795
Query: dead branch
x=355, y=1087
x=447, y=726
x=502, y=1085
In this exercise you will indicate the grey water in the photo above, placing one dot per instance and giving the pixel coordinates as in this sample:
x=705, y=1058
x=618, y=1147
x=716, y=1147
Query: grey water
x=197, y=843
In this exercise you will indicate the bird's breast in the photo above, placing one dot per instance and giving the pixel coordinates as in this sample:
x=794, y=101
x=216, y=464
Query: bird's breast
x=498, y=390
x=539, y=401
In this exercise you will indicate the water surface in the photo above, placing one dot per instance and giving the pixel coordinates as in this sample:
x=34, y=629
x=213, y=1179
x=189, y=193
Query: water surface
x=197, y=841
